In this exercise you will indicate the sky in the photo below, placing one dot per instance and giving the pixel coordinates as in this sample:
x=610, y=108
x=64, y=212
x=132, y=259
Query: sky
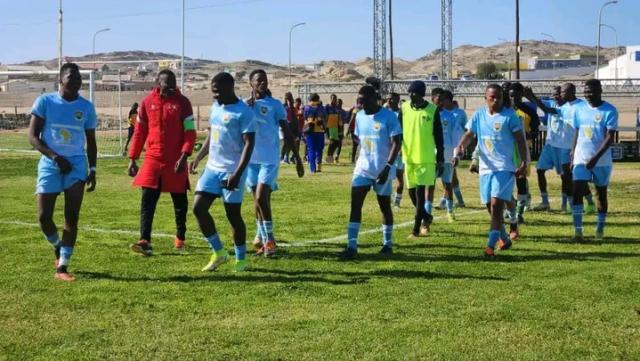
x=232, y=30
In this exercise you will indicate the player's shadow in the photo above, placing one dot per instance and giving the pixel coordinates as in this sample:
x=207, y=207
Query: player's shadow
x=569, y=223
x=587, y=241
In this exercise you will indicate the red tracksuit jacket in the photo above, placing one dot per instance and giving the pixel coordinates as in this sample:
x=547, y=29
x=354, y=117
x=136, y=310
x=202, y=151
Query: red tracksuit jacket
x=166, y=125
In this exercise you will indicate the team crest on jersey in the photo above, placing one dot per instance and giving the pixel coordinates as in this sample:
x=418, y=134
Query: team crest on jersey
x=488, y=143
x=497, y=126
x=264, y=110
x=598, y=117
x=226, y=118
x=588, y=132
x=79, y=115
x=376, y=126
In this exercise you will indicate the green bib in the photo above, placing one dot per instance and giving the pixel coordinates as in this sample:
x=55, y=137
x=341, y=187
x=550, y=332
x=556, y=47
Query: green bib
x=418, y=142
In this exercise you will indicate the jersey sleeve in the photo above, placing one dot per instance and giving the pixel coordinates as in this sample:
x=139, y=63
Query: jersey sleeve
x=612, y=120
x=394, y=125
x=39, y=107
x=472, y=124
x=515, y=124
x=356, y=132
x=247, y=122
x=281, y=113
x=92, y=118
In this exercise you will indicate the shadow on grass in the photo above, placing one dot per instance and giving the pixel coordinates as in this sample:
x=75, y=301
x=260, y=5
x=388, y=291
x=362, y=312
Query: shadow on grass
x=587, y=241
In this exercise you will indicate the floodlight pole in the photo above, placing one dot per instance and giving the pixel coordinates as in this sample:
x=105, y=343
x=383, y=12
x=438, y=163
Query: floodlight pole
x=182, y=55
x=93, y=48
x=59, y=34
x=517, y=39
x=290, y=31
x=617, y=49
x=599, y=28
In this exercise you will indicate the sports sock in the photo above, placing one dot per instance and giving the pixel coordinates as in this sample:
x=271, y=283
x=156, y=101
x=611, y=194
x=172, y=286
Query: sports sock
x=494, y=236
x=602, y=218
x=65, y=256
x=503, y=234
x=214, y=242
x=589, y=198
x=241, y=251
x=578, y=209
x=522, y=202
x=545, y=198
x=259, y=230
x=449, y=205
x=513, y=216
x=458, y=194
x=397, y=199
x=387, y=235
x=268, y=229
x=352, y=234
x=428, y=206
x=53, y=239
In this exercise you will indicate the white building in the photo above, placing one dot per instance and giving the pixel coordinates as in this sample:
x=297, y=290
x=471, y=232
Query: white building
x=625, y=66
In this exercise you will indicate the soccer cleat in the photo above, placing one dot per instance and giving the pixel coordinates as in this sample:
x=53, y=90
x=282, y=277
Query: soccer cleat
x=178, y=244
x=451, y=217
x=241, y=266
x=599, y=236
x=577, y=237
x=64, y=276
x=460, y=205
x=442, y=204
x=386, y=251
x=489, y=253
x=564, y=209
x=142, y=247
x=270, y=248
x=504, y=245
x=514, y=234
x=542, y=207
x=348, y=254
x=590, y=209
x=216, y=260
x=424, y=230
x=319, y=168
x=257, y=244
x=520, y=219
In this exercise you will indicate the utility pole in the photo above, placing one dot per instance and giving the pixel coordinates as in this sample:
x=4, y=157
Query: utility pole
x=59, y=34
x=391, y=37
x=182, y=55
x=446, y=38
x=380, y=39
x=599, y=28
x=517, y=39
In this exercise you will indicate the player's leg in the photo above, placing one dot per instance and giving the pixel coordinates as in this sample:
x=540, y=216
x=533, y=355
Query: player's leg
x=588, y=196
x=253, y=173
x=319, y=149
x=338, y=148
x=601, y=177
x=399, y=188
x=46, y=206
x=72, y=203
x=581, y=175
x=354, y=148
x=239, y=230
x=358, y=194
x=311, y=153
x=544, y=195
x=201, y=205
x=567, y=185
x=456, y=190
x=447, y=179
x=180, y=209
x=263, y=206
x=521, y=185
x=497, y=223
x=148, y=204
x=384, y=202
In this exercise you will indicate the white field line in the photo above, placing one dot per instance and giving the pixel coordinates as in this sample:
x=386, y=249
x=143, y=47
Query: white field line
x=342, y=237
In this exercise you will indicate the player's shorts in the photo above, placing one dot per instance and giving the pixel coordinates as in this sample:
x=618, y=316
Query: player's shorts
x=553, y=158
x=399, y=164
x=333, y=133
x=380, y=189
x=210, y=182
x=51, y=180
x=423, y=174
x=598, y=175
x=447, y=173
x=496, y=185
x=263, y=173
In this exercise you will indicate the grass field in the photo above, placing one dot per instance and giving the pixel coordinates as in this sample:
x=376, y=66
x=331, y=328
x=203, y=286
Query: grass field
x=435, y=299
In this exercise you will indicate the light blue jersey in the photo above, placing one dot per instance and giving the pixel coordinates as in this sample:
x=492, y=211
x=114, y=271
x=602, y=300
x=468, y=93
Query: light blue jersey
x=375, y=132
x=560, y=128
x=65, y=122
x=267, y=112
x=453, y=122
x=592, y=125
x=495, y=138
x=228, y=123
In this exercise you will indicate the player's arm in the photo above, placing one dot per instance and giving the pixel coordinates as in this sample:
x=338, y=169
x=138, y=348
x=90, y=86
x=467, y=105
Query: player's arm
x=522, y=149
x=535, y=122
x=193, y=166
x=189, y=139
x=439, y=138
x=249, y=140
x=528, y=93
x=35, y=130
x=289, y=140
x=396, y=145
x=92, y=156
x=604, y=146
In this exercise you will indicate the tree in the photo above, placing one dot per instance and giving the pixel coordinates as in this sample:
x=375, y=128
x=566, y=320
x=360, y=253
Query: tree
x=487, y=70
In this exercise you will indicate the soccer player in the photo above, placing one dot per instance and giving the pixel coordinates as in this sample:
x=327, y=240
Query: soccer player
x=530, y=125
x=262, y=174
x=344, y=118
x=453, y=122
x=60, y=124
x=555, y=153
x=354, y=138
x=314, y=132
x=498, y=129
x=422, y=152
x=596, y=123
x=380, y=137
x=292, y=123
x=133, y=116
x=229, y=145
x=393, y=104
x=333, y=116
x=166, y=125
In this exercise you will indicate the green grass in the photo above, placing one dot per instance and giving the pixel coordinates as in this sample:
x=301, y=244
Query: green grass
x=437, y=298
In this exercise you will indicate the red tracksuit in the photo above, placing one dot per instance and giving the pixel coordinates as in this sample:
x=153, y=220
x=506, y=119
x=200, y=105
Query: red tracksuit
x=166, y=125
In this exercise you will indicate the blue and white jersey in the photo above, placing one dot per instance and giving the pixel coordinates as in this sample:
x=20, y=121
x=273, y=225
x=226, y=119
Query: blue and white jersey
x=453, y=122
x=64, y=122
x=592, y=125
x=267, y=112
x=495, y=138
x=228, y=123
x=560, y=128
x=375, y=132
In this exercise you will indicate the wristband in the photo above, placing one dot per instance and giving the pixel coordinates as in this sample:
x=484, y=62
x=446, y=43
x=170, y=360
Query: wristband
x=92, y=169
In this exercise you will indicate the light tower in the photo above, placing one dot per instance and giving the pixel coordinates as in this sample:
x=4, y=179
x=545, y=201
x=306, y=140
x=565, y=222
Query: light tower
x=380, y=38
x=447, y=39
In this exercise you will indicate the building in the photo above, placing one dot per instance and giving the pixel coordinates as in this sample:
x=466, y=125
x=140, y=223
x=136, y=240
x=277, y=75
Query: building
x=625, y=66
x=574, y=61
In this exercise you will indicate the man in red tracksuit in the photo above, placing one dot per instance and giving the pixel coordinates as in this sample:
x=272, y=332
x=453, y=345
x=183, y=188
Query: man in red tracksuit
x=165, y=123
